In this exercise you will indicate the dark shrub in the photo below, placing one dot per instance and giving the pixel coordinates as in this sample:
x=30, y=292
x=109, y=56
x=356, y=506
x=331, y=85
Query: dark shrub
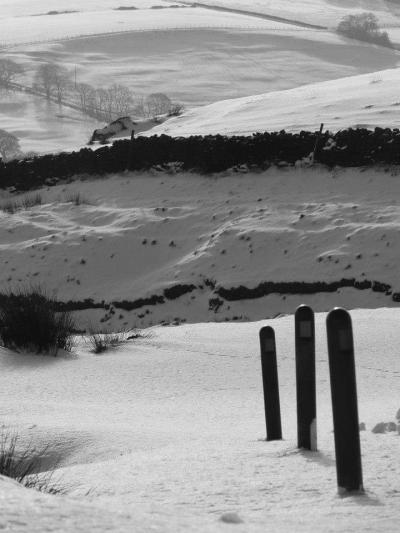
x=29, y=320
x=364, y=27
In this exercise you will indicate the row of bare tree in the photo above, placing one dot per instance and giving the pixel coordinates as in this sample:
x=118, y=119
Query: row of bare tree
x=9, y=72
x=118, y=100
x=55, y=83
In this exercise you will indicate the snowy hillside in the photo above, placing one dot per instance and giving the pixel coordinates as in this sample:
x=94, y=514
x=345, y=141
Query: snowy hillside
x=215, y=55
x=133, y=236
x=167, y=435
x=364, y=101
x=322, y=12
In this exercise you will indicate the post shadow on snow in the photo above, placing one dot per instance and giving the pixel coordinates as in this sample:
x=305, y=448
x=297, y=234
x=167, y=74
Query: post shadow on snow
x=365, y=498
x=317, y=457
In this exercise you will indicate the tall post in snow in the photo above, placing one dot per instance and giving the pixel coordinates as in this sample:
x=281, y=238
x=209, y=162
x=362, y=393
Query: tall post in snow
x=305, y=378
x=270, y=383
x=344, y=400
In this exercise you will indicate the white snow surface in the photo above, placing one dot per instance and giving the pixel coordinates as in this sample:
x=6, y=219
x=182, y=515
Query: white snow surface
x=321, y=12
x=22, y=8
x=167, y=434
x=41, y=28
x=134, y=235
x=215, y=55
x=364, y=101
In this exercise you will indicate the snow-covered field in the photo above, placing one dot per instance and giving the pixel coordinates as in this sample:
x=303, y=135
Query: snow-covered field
x=215, y=56
x=365, y=101
x=135, y=235
x=167, y=434
x=15, y=30
x=43, y=126
x=321, y=12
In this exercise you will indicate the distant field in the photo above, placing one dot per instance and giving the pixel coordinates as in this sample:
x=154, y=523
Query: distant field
x=364, y=101
x=196, y=56
x=42, y=126
x=323, y=12
x=18, y=8
x=202, y=66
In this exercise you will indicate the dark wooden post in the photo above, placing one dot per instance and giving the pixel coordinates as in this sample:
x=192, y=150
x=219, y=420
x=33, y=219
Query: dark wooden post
x=316, y=144
x=305, y=378
x=270, y=383
x=344, y=400
x=130, y=151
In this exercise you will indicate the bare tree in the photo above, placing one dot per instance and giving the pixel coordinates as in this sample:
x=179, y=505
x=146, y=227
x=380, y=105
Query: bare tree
x=86, y=97
x=52, y=79
x=364, y=27
x=61, y=82
x=102, y=104
x=176, y=109
x=156, y=104
x=121, y=99
x=9, y=70
x=44, y=79
x=138, y=107
x=9, y=145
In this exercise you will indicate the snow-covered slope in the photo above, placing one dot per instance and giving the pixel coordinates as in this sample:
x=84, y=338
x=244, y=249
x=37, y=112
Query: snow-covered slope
x=135, y=235
x=368, y=100
x=322, y=12
x=167, y=435
x=31, y=29
x=215, y=55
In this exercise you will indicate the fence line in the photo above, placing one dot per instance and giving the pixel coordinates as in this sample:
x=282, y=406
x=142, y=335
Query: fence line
x=6, y=45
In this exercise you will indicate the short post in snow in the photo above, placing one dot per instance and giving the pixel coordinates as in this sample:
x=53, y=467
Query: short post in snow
x=316, y=144
x=130, y=151
x=270, y=383
x=305, y=378
x=344, y=401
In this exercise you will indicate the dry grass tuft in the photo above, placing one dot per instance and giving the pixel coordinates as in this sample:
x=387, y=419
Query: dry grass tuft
x=11, y=206
x=25, y=465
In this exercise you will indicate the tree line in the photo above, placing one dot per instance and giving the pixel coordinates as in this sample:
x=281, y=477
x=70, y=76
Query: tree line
x=56, y=83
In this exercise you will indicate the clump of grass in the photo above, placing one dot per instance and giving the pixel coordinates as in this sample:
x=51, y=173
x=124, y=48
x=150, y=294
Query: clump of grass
x=30, y=320
x=26, y=464
x=76, y=198
x=102, y=341
x=30, y=201
x=11, y=206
